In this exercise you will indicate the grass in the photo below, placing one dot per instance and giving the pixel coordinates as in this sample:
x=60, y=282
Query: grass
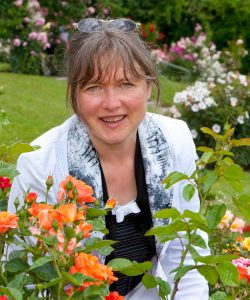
x=35, y=104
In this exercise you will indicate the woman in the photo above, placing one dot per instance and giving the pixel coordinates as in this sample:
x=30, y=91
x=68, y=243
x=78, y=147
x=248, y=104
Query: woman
x=113, y=145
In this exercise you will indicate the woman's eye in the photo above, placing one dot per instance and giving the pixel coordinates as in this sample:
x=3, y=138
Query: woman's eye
x=94, y=88
x=126, y=85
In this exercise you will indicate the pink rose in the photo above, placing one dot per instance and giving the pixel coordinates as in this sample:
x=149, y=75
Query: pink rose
x=18, y=3
x=40, y=21
x=237, y=225
x=26, y=19
x=17, y=42
x=32, y=35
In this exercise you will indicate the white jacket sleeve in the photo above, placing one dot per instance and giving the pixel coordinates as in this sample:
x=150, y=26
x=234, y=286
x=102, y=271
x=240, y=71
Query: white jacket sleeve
x=33, y=171
x=192, y=286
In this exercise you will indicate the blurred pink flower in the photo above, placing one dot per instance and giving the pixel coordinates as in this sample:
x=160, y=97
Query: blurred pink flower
x=46, y=46
x=17, y=42
x=26, y=19
x=25, y=44
x=198, y=27
x=18, y=3
x=32, y=35
x=40, y=21
x=237, y=225
x=225, y=220
x=42, y=37
x=90, y=10
x=33, y=53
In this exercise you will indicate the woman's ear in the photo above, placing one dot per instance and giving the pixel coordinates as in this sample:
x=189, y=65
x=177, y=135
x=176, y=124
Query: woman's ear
x=149, y=89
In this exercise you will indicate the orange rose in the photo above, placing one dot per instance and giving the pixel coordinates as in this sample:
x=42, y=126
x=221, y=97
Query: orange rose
x=114, y=296
x=89, y=265
x=45, y=218
x=237, y=225
x=111, y=203
x=85, y=228
x=68, y=213
x=224, y=223
x=246, y=243
x=31, y=197
x=84, y=191
x=7, y=221
x=37, y=207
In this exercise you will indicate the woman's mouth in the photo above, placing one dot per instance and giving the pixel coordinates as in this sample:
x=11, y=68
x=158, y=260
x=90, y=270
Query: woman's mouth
x=113, y=119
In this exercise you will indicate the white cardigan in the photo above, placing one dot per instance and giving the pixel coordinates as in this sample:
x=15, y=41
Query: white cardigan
x=166, y=146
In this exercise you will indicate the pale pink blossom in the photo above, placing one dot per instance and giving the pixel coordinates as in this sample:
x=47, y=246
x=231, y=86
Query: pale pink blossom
x=26, y=20
x=237, y=225
x=198, y=27
x=90, y=10
x=241, y=261
x=32, y=35
x=18, y=3
x=34, y=230
x=25, y=44
x=40, y=21
x=42, y=37
x=224, y=223
x=46, y=46
x=33, y=53
x=17, y=42
x=239, y=42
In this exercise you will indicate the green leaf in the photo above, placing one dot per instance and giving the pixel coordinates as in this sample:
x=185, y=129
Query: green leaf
x=46, y=272
x=205, y=149
x=163, y=238
x=17, y=253
x=188, y=192
x=212, y=259
x=95, y=213
x=175, y=226
x=7, y=170
x=233, y=172
x=103, y=246
x=198, y=217
x=52, y=282
x=218, y=296
x=209, y=131
x=228, y=274
x=167, y=213
x=98, y=224
x=16, y=265
x=173, y=178
x=198, y=241
x=130, y=268
x=194, y=253
x=94, y=290
x=164, y=288
x=210, y=179
x=243, y=204
x=119, y=263
x=13, y=293
x=206, y=157
x=149, y=281
x=181, y=271
x=40, y=262
x=215, y=214
x=18, y=281
x=241, y=142
x=3, y=118
x=209, y=272
x=78, y=279
x=18, y=148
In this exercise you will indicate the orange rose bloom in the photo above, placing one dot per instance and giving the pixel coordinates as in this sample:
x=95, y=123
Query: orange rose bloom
x=89, y=265
x=114, y=296
x=84, y=191
x=37, y=207
x=85, y=228
x=111, y=203
x=31, y=197
x=68, y=213
x=7, y=221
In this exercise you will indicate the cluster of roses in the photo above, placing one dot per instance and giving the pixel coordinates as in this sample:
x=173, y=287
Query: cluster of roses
x=238, y=244
x=46, y=221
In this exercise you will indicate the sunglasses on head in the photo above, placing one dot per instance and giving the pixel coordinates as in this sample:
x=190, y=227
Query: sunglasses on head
x=92, y=25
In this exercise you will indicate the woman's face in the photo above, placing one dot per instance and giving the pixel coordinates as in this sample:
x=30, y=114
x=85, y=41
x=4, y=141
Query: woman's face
x=113, y=108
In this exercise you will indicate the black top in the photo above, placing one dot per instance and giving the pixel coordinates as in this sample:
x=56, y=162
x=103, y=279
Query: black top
x=132, y=244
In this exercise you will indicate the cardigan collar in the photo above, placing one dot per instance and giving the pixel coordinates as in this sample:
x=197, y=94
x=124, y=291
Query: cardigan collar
x=83, y=163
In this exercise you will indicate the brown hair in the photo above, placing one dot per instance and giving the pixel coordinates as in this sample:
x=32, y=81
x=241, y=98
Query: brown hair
x=86, y=51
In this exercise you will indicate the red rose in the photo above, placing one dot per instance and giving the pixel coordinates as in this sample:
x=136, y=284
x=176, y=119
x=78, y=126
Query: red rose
x=4, y=183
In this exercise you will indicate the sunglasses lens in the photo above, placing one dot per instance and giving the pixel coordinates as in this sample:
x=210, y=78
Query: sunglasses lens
x=89, y=25
x=124, y=25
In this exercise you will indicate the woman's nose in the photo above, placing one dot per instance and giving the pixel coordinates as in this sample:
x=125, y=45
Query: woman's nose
x=111, y=99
